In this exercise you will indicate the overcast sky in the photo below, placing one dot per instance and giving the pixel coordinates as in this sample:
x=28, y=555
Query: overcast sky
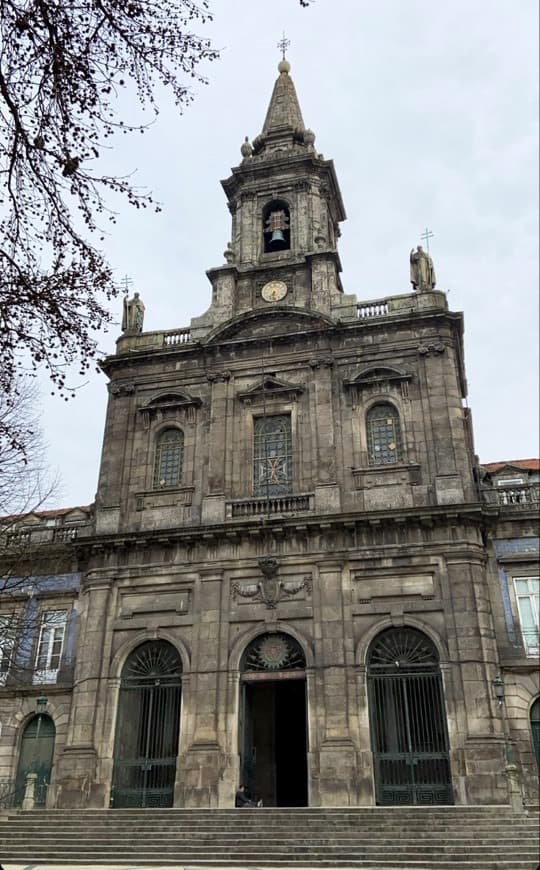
x=429, y=112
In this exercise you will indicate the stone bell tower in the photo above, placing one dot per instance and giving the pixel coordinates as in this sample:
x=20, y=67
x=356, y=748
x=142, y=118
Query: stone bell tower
x=286, y=207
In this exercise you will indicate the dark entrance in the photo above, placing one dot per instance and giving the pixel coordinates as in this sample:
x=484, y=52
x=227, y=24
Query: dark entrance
x=408, y=720
x=273, y=726
x=36, y=756
x=146, y=744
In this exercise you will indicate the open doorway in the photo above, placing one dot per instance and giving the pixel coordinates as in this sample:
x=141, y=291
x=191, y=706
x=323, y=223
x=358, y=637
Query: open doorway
x=273, y=722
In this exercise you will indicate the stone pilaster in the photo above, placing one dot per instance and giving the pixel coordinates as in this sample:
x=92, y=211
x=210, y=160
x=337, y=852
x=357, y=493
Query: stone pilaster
x=202, y=766
x=77, y=786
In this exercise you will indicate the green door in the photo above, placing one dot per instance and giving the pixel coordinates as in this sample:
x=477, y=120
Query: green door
x=36, y=756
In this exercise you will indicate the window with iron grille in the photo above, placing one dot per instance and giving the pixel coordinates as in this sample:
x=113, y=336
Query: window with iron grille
x=7, y=643
x=383, y=435
x=528, y=600
x=50, y=646
x=272, y=456
x=169, y=458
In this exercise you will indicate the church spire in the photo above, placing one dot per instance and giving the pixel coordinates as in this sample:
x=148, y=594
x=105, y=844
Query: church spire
x=284, y=109
x=284, y=126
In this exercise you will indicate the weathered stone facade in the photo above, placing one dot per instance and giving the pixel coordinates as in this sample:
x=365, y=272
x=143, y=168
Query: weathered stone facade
x=194, y=545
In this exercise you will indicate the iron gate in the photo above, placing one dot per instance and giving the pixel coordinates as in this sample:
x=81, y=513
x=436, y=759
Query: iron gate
x=146, y=744
x=408, y=721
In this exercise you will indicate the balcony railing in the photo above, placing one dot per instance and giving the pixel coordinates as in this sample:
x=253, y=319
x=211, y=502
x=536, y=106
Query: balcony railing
x=377, y=308
x=259, y=507
x=177, y=336
x=522, y=497
x=21, y=538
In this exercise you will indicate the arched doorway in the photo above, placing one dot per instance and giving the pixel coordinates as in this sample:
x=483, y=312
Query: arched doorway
x=36, y=756
x=535, y=728
x=409, y=734
x=148, y=723
x=273, y=720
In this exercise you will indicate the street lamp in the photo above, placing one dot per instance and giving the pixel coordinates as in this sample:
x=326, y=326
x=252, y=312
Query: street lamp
x=498, y=689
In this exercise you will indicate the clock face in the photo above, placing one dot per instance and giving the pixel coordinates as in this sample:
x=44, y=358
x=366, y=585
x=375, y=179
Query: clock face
x=274, y=291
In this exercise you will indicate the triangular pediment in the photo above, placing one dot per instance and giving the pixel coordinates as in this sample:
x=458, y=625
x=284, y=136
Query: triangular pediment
x=270, y=387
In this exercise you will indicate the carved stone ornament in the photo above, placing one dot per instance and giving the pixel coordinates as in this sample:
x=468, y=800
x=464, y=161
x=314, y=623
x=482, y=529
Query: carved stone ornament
x=321, y=362
x=218, y=377
x=117, y=390
x=426, y=349
x=270, y=590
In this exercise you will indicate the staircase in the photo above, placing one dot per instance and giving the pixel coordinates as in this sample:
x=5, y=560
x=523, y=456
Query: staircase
x=430, y=838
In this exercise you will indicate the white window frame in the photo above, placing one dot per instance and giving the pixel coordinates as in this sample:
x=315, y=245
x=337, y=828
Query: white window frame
x=530, y=634
x=50, y=646
x=7, y=645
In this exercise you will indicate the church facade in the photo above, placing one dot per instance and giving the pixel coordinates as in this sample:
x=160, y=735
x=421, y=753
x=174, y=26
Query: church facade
x=288, y=579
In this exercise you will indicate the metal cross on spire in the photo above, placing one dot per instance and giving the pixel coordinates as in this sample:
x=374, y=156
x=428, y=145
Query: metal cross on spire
x=426, y=236
x=283, y=44
x=127, y=283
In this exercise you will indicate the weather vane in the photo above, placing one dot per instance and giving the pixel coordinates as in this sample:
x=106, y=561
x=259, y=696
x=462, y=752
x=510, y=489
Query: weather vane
x=426, y=236
x=283, y=44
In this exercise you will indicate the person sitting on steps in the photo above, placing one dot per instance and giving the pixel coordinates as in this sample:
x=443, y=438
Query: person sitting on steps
x=243, y=798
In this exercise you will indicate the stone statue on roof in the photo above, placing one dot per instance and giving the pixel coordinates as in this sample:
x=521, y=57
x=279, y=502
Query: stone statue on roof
x=422, y=271
x=133, y=314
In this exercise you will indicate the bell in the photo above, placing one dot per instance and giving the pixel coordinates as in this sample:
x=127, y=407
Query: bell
x=277, y=237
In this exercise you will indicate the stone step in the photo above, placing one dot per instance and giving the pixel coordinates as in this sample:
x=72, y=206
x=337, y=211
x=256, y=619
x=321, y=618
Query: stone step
x=423, y=838
x=284, y=860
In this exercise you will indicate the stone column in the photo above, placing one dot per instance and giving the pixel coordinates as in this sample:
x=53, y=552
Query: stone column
x=77, y=764
x=337, y=753
x=202, y=766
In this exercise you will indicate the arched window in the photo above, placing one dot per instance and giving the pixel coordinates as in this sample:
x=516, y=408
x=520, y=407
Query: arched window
x=276, y=226
x=535, y=729
x=169, y=458
x=383, y=435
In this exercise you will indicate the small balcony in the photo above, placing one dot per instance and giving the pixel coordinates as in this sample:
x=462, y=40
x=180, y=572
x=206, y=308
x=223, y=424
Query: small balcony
x=273, y=506
x=515, y=498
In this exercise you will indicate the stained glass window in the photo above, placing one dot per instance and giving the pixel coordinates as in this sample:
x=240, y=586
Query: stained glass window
x=272, y=456
x=169, y=458
x=383, y=435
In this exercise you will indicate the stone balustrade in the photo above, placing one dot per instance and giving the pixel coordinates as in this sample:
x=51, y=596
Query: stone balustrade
x=378, y=308
x=283, y=504
x=521, y=497
x=177, y=336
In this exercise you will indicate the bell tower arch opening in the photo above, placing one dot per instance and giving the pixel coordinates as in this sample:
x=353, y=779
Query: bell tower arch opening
x=276, y=226
x=409, y=735
x=273, y=740
x=147, y=727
